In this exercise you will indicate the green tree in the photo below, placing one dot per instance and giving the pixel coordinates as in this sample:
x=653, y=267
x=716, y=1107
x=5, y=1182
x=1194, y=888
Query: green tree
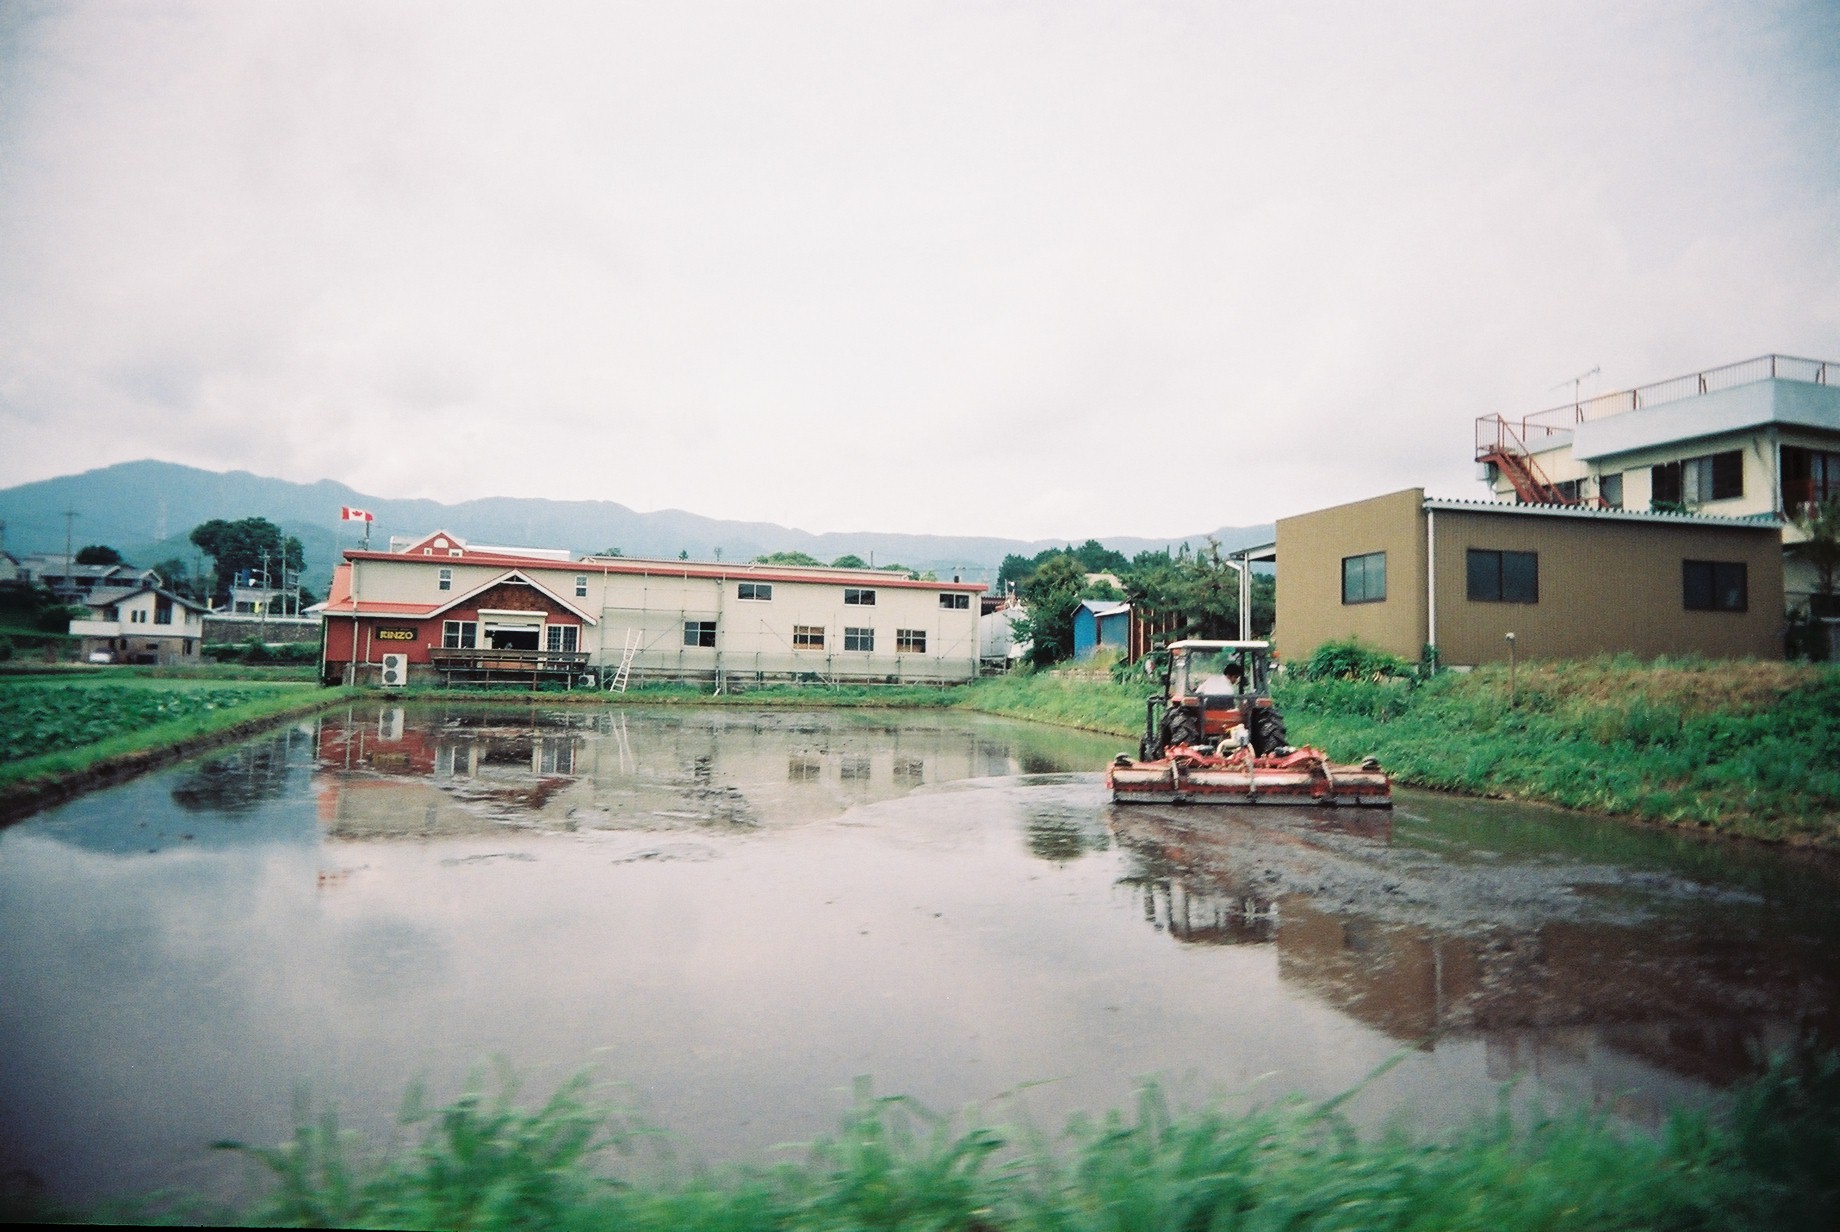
x=1051, y=596
x=849, y=560
x=179, y=579
x=787, y=558
x=98, y=554
x=242, y=546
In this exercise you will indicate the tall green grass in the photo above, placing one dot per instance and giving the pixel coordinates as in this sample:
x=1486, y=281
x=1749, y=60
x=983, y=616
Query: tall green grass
x=1748, y=749
x=1769, y=1159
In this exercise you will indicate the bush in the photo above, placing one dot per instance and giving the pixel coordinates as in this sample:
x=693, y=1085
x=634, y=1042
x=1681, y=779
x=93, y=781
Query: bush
x=1350, y=660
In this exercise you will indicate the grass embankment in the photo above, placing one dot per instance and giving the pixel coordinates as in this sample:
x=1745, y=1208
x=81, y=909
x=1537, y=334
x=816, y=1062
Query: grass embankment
x=1767, y=1160
x=60, y=732
x=1750, y=749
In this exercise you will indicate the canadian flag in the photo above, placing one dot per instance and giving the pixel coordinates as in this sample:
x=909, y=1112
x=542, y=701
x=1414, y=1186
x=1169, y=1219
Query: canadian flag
x=348, y=514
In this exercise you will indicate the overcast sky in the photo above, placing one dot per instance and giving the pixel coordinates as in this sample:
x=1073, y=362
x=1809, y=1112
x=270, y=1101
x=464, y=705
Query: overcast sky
x=1048, y=269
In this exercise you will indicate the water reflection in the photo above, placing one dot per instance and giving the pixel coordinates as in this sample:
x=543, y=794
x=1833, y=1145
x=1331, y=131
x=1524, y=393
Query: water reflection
x=453, y=772
x=1582, y=974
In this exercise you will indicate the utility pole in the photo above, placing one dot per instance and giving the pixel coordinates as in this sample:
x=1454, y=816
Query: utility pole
x=70, y=560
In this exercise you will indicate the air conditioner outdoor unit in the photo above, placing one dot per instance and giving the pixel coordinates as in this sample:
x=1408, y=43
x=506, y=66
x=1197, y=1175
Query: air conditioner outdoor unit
x=396, y=669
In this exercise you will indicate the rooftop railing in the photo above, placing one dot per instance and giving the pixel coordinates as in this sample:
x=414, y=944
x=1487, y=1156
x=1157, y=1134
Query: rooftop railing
x=1547, y=429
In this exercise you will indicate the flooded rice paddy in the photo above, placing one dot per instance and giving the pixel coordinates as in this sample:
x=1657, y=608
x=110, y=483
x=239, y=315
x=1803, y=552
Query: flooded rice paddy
x=730, y=915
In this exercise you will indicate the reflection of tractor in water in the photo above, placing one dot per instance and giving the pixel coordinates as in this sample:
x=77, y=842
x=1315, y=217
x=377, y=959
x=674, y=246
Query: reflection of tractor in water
x=1213, y=693
x=1214, y=737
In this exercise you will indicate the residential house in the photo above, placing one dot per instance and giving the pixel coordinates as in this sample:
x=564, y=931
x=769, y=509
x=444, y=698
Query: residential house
x=144, y=623
x=1757, y=439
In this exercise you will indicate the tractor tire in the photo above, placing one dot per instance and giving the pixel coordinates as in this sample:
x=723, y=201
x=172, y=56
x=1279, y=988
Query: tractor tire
x=1268, y=734
x=1181, y=726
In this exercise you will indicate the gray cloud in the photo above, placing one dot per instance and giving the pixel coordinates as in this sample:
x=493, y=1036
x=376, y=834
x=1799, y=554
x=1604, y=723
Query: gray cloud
x=1026, y=269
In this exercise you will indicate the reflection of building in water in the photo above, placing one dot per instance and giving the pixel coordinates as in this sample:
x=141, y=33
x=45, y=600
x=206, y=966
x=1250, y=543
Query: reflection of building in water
x=1594, y=1007
x=396, y=770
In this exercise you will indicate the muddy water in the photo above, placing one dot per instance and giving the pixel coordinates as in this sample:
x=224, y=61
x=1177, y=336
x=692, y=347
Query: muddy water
x=730, y=915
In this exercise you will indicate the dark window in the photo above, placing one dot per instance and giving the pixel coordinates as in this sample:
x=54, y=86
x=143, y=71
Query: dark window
x=446, y=581
x=1809, y=476
x=1610, y=488
x=808, y=637
x=561, y=639
x=1714, y=586
x=1364, y=578
x=162, y=611
x=858, y=639
x=699, y=633
x=853, y=596
x=1503, y=577
x=459, y=634
x=1694, y=481
x=957, y=602
x=754, y=590
x=581, y=586
x=1664, y=484
x=910, y=641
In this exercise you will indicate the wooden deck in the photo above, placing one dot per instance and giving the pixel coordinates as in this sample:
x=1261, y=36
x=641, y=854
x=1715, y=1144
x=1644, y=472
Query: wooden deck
x=508, y=666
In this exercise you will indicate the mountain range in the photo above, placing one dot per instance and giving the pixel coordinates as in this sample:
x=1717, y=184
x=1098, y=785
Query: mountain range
x=147, y=509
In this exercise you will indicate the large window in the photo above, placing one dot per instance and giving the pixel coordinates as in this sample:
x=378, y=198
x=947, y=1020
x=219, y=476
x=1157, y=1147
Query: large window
x=910, y=641
x=1714, y=586
x=958, y=602
x=459, y=634
x=754, y=590
x=162, y=611
x=858, y=639
x=699, y=633
x=1503, y=577
x=854, y=597
x=1364, y=578
x=808, y=637
x=560, y=639
x=1694, y=481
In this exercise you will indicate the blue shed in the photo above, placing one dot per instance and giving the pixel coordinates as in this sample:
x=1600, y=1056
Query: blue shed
x=1100, y=622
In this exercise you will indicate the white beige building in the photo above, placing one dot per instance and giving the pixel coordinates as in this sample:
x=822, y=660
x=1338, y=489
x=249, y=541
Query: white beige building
x=458, y=612
x=1757, y=439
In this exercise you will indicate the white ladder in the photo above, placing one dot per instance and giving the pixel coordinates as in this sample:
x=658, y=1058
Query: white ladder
x=624, y=671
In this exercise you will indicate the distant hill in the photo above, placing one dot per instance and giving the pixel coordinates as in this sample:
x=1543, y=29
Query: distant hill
x=146, y=509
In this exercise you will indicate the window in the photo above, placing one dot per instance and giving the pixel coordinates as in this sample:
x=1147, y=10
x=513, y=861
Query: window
x=808, y=637
x=758, y=591
x=459, y=634
x=447, y=579
x=858, y=639
x=1694, y=481
x=958, y=603
x=581, y=586
x=1809, y=476
x=112, y=613
x=138, y=616
x=1567, y=490
x=1714, y=586
x=1503, y=577
x=699, y=633
x=855, y=597
x=560, y=639
x=1610, y=489
x=162, y=611
x=1364, y=578
x=910, y=641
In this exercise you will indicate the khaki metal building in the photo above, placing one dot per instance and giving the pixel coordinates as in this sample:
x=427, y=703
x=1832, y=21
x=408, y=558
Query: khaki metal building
x=1402, y=572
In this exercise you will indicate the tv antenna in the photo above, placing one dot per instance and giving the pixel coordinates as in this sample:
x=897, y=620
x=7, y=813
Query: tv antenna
x=1576, y=381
